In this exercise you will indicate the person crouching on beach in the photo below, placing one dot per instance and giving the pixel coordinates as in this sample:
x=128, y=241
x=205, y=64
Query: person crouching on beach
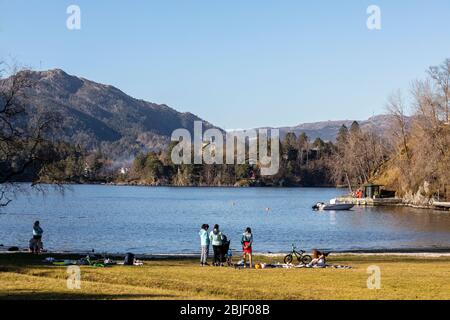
x=37, y=238
x=216, y=238
x=247, y=242
x=204, y=244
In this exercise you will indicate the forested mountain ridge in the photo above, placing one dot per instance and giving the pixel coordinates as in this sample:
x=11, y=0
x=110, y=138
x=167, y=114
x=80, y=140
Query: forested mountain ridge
x=328, y=130
x=101, y=117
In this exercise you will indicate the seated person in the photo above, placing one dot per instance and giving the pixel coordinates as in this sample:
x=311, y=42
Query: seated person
x=319, y=259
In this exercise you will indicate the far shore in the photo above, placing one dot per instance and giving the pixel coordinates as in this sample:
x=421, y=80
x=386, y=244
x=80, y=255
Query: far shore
x=141, y=184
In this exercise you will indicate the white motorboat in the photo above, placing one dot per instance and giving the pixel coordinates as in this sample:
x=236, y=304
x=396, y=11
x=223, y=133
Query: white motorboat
x=334, y=205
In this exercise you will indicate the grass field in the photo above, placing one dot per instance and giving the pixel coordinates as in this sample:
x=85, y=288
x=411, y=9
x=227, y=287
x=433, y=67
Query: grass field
x=23, y=276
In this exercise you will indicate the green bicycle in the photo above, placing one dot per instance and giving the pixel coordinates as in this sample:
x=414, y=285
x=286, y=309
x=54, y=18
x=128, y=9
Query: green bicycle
x=299, y=255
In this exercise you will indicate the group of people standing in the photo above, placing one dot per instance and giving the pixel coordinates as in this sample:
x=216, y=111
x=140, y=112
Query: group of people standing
x=221, y=246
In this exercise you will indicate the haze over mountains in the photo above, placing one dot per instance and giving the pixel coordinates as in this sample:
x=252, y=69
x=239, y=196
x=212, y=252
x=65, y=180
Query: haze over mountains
x=101, y=117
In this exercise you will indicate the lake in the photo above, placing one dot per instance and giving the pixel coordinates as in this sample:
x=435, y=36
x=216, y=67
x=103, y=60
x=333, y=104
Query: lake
x=158, y=220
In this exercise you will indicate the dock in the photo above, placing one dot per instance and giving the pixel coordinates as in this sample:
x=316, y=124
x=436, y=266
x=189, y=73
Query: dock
x=439, y=204
x=371, y=202
x=375, y=202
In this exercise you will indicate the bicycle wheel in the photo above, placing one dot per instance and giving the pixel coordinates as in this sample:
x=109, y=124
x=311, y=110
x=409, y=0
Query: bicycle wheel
x=306, y=259
x=288, y=259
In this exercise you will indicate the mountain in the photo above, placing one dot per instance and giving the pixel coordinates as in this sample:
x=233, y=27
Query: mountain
x=99, y=116
x=327, y=130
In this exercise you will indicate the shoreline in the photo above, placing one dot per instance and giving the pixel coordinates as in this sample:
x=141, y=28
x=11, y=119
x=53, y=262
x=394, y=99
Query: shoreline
x=426, y=253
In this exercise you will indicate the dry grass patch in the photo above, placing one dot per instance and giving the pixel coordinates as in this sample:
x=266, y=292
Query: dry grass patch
x=26, y=277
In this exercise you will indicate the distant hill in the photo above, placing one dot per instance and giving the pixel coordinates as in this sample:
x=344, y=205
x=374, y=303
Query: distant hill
x=97, y=116
x=101, y=117
x=327, y=130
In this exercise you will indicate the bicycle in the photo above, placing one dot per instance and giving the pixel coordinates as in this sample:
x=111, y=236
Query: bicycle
x=299, y=255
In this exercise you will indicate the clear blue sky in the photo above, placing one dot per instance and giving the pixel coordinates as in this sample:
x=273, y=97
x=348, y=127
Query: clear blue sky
x=235, y=63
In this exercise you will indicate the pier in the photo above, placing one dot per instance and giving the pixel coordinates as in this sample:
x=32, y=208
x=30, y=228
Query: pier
x=442, y=205
x=372, y=202
x=375, y=202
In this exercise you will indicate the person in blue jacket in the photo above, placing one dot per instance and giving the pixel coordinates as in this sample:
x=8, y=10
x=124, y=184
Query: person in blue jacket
x=204, y=244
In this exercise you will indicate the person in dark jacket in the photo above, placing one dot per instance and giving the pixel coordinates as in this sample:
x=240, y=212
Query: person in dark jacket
x=216, y=238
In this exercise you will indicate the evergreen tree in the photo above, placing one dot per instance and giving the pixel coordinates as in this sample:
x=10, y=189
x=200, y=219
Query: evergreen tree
x=354, y=128
x=342, y=135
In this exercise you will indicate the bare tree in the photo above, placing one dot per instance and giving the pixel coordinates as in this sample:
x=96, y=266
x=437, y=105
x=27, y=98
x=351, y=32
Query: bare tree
x=22, y=135
x=441, y=76
x=397, y=109
x=425, y=140
x=359, y=155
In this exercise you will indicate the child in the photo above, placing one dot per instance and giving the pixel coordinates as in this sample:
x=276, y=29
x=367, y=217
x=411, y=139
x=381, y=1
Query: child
x=247, y=242
x=204, y=244
x=230, y=257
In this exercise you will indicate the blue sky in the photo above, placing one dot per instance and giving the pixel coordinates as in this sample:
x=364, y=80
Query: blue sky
x=237, y=64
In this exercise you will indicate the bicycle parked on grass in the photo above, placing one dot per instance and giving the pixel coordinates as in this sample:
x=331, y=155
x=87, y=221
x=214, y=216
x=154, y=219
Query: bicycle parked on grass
x=299, y=255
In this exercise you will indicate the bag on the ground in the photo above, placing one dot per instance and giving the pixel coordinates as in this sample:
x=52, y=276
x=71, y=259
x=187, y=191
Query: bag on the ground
x=129, y=259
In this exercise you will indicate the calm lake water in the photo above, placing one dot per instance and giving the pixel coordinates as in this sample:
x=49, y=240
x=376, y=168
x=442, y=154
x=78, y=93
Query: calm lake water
x=167, y=220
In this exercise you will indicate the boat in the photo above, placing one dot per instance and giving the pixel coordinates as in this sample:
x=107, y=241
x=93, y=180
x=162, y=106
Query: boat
x=334, y=205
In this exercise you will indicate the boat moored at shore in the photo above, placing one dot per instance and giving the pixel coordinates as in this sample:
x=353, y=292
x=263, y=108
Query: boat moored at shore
x=334, y=205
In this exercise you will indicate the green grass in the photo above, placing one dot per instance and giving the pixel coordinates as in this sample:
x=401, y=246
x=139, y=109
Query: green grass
x=24, y=276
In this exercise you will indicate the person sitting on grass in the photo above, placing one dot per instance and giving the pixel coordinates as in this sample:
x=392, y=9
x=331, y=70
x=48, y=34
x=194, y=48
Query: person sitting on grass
x=216, y=238
x=204, y=244
x=319, y=259
x=247, y=242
